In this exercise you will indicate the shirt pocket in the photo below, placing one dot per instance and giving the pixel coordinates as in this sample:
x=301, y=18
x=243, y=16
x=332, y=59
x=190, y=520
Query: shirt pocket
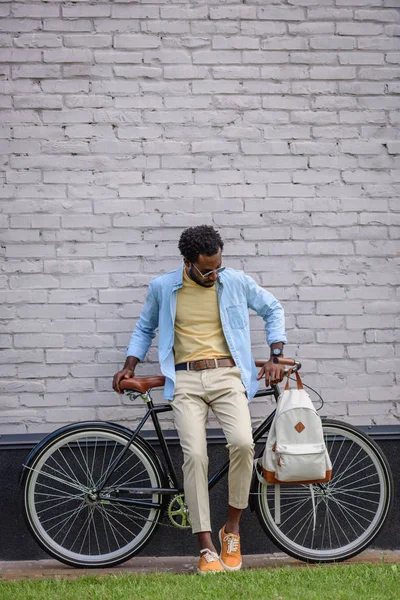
x=237, y=319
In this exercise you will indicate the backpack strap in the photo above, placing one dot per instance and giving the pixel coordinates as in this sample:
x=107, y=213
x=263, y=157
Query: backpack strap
x=298, y=379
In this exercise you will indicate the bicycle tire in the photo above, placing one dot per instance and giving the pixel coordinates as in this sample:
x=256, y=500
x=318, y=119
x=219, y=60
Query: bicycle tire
x=58, y=511
x=350, y=510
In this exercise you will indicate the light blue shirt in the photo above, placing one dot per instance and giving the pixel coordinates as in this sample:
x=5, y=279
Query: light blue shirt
x=237, y=292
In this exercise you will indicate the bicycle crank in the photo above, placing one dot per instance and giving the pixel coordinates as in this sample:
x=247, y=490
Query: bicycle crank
x=178, y=512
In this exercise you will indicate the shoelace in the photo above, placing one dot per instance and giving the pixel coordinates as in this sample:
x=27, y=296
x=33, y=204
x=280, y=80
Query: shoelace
x=209, y=555
x=233, y=542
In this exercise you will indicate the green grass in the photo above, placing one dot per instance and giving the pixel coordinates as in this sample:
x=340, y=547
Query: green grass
x=337, y=582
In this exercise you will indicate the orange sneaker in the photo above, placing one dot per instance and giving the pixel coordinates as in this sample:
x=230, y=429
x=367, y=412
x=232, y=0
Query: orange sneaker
x=231, y=558
x=209, y=562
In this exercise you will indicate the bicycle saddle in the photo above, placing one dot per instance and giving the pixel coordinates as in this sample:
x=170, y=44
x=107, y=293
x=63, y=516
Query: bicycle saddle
x=142, y=384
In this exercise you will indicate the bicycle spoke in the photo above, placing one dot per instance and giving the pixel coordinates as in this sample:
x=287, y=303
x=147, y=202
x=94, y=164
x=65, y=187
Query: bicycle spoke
x=81, y=529
x=129, y=457
x=114, y=530
x=95, y=534
x=50, y=496
x=308, y=517
x=310, y=520
x=69, y=516
x=331, y=446
x=71, y=525
x=351, y=465
x=125, y=474
x=289, y=506
x=324, y=527
x=57, y=516
x=89, y=479
x=360, y=507
x=343, y=493
x=62, y=471
x=292, y=491
x=334, y=485
x=111, y=517
x=105, y=473
x=294, y=513
x=105, y=529
x=90, y=511
x=331, y=513
x=339, y=468
x=67, y=464
x=346, y=518
x=346, y=506
x=50, y=476
x=39, y=512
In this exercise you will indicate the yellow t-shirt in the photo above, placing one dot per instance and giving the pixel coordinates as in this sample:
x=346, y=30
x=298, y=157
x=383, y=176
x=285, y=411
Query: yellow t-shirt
x=198, y=328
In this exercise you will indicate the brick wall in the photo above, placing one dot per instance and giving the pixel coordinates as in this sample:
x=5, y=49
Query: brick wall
x=124, y=122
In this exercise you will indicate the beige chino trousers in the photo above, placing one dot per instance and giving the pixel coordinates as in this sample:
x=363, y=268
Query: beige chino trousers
x=221, y=390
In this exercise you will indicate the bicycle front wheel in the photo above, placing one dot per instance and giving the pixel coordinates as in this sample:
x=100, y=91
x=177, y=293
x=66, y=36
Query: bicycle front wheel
x=65, y=516
x=336, y=520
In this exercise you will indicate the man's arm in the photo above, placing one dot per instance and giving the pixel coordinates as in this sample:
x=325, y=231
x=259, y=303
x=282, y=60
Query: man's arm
x=145, y=328
x=141, y=339
x=270, y=309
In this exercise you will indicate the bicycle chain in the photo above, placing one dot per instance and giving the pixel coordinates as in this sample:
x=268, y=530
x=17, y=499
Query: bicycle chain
x=149, y=520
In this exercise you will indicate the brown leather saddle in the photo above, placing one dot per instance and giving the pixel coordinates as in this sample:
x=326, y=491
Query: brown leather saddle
x=142, y=384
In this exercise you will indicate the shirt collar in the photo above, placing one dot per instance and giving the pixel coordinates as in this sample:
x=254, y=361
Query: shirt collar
x=177, y=280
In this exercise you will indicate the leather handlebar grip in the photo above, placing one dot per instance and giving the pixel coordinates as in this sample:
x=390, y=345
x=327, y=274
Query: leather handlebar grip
x=290, y=362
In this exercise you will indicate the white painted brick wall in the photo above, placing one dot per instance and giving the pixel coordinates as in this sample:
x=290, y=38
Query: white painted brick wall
x=124, y=122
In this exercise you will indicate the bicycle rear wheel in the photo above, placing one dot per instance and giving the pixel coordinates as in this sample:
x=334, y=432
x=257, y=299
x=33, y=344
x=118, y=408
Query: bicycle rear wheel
x=64, y=515
x=349, y=511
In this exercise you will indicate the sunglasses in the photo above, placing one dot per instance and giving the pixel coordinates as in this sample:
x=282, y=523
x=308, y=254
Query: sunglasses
x=209, y=273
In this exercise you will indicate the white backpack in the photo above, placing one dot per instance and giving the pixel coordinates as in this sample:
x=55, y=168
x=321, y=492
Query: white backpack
x=295, y=451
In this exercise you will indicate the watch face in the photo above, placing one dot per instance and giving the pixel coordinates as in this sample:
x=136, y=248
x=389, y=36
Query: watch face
x=276, y=351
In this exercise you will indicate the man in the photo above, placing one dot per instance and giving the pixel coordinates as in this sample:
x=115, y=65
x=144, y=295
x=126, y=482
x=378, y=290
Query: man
x=201, y=310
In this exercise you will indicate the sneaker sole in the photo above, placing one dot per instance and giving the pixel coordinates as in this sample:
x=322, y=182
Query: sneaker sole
x=200, y=572
x=226, y=568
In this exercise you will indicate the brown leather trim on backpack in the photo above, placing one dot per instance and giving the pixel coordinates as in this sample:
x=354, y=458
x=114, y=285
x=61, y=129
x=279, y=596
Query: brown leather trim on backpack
x=270, y=478
x=298, y=379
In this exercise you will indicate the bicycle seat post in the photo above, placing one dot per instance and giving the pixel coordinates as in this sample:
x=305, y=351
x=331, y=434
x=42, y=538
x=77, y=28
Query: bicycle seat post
x=146, y=397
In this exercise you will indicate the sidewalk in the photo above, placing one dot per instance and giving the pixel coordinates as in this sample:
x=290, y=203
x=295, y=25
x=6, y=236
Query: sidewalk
x=175, y=564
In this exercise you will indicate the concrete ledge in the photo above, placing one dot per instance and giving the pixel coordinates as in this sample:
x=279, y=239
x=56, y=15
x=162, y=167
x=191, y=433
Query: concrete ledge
x=46, y=569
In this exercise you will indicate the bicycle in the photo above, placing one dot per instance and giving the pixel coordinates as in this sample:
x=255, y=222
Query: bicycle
x=94, y=492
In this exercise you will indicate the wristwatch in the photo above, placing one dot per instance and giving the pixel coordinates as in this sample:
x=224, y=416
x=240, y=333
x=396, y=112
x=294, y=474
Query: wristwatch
x=276, y=352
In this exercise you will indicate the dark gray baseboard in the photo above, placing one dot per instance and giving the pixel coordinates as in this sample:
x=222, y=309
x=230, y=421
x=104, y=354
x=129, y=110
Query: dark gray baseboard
x=17, y=543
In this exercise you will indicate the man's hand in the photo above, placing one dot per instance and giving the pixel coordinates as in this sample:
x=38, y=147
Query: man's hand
x=273, y=373
x=127, y=371
x=118, y=377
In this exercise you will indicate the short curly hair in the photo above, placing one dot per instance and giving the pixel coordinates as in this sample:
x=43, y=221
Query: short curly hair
x=202, y=239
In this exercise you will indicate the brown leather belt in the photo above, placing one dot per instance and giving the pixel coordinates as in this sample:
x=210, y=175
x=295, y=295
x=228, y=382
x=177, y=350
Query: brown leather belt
x=206, y=363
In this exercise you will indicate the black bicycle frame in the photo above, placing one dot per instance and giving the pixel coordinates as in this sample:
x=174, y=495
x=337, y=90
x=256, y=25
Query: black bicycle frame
x=153, y=411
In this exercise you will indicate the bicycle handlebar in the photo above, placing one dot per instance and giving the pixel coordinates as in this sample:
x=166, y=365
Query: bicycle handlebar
x=288, y=362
